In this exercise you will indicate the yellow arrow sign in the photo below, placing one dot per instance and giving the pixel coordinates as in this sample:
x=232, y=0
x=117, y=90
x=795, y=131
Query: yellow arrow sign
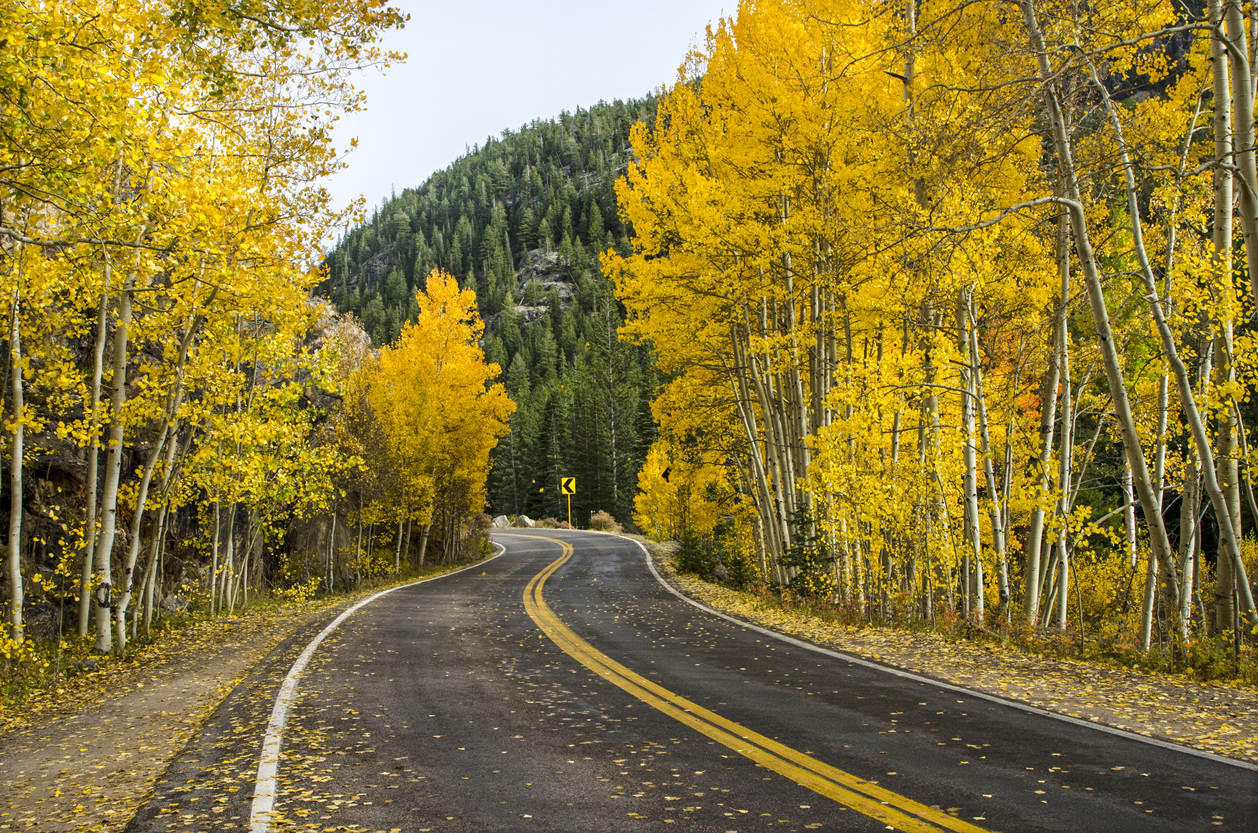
x=568, y=485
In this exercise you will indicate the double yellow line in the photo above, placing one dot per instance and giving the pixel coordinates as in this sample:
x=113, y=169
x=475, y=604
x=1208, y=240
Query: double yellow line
x=860, y=795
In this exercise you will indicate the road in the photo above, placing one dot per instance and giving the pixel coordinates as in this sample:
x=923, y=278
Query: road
x=560, y=687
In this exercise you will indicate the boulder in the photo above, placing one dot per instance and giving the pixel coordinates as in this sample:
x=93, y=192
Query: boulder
x=175, y=603
x=501, y=522
x=525, y=521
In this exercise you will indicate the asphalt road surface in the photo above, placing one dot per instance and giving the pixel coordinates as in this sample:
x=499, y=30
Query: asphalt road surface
x=560, y=687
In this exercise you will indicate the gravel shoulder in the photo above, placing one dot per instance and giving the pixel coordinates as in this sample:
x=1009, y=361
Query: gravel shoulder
x=1218, y=718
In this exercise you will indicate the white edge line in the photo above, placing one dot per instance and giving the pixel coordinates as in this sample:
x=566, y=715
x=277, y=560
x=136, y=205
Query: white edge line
x=1026, y=707
x=268, y=762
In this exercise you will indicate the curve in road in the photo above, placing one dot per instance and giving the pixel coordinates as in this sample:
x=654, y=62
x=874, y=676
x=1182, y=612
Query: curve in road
x=863, y=796
x=445, y=707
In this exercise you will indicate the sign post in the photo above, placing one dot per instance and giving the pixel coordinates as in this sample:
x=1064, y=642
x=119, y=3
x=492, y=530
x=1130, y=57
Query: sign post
x=568, y=486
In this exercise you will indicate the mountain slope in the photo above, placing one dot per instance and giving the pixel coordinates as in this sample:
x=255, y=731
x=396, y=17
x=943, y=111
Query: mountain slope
x=522, y=220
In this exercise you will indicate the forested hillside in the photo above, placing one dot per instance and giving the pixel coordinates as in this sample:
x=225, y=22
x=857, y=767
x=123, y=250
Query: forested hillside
x=523, y=220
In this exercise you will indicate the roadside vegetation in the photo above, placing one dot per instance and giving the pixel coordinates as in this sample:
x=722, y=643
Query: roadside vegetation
x=1098, y=631
x=956, y=304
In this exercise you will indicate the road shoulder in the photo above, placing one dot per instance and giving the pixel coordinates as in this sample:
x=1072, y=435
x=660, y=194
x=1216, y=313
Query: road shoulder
x=89, y=770
x=88, y=758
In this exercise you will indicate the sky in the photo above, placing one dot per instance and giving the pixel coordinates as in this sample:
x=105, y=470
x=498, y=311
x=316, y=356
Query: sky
x=477, y=67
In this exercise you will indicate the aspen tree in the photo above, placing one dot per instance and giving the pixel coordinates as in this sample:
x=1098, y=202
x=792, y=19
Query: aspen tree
x=1188, y=400
x=121, y=110
x=1087, y=261
x=1048, y=413
x=17, y=427
x=439, y=412
x=1221, y=239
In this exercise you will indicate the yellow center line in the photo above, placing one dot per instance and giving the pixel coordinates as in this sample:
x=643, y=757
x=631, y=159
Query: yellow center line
x=863, y=796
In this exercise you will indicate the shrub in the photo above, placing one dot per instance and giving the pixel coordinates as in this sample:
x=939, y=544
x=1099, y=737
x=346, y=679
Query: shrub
x=812, y=560
x=740, y=567
x=604, y=522
x=302, y=591
x=694, y=557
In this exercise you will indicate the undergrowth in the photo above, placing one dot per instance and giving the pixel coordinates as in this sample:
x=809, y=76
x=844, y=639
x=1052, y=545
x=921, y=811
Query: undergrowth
x=1217, y=657
x=1213, y=658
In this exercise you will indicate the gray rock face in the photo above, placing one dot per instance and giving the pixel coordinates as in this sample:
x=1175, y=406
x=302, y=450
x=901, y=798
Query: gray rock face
x=543, y=267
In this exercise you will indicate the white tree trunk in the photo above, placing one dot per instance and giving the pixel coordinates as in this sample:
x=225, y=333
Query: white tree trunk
x=17, y=631
x=1129, y=515
x=93, y=460
x=113, y=470
x=1064, y=476
x=1243, y=140
x=1096, y=296
x=1229, y=471
x=994, y=491
x=133, y=551
x=972, y=604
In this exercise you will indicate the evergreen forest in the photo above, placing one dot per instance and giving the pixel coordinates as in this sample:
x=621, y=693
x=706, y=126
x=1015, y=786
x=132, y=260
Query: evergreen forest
x=523, y=220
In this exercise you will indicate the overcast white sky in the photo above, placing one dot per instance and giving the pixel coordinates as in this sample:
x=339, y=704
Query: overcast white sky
x=479, y=66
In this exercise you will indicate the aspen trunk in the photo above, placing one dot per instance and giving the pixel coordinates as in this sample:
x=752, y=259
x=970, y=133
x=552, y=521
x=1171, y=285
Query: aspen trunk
x=1228, y=578
x=166, y=434
x=971, y=564
x=93, y=460
x=229, y=562
x=358, y=550
x=133, y=551
x=1188, y=536
x=113, y=470
x=397, y=551
x=17, y=631
x=218, y=535
x=1129, y=514
x=250, y=556
x=331, y=561
x=1064, y=478
x=150, y=577
x=1243, y=139
x=423, y=543
x=1222, y=240
x=1096, y=296
x=1048, y=415
x=173, y=459
x=994, y=491
x=747, y=415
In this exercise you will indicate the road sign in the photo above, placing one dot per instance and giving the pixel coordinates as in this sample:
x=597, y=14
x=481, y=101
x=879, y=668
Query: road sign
x=568, y=486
